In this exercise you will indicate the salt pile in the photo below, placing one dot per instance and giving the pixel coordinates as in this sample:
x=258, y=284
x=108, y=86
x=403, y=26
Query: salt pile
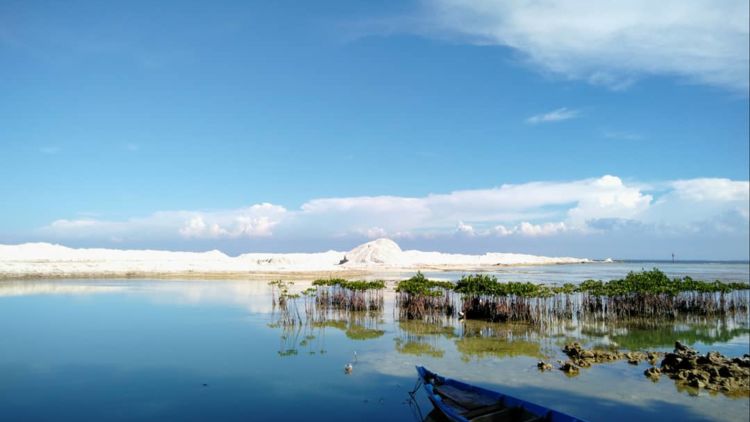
x=44, y=259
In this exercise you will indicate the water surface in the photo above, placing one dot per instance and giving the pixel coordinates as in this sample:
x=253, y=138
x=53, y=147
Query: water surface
x=206, y=350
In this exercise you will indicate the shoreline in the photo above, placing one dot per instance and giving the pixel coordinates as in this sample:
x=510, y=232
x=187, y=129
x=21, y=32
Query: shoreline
x=381, y=256
x=297, y=274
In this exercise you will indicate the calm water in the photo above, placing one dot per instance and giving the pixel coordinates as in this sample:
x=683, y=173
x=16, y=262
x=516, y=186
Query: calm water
x=208, y=350
x=575, y=273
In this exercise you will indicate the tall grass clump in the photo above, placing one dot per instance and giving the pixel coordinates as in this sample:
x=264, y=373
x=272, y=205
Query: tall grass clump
x=646, y=294
x=418, y=297
x=482, y=297
x=357, y=295
x=286, y=302
x=653, y=294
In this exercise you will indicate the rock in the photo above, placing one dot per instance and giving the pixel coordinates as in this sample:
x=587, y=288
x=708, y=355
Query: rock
x=652, y=372
x=711, y=371
x=715, y=357
x=682, y=375
x=569, y=368
x=696, y=383
x=544, y=366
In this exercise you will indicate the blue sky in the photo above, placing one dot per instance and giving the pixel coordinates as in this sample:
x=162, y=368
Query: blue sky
x=543, y=127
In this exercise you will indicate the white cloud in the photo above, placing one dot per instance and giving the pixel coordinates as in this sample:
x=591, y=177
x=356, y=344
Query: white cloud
x=712, y=190
x=528, y=210
x=530, y=230
x=607, y=42
x=465, y=229
x=553, y=116
x=254, y=221
x=375, y=233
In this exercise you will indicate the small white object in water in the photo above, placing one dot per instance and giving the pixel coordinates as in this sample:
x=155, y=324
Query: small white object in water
x=348, y=368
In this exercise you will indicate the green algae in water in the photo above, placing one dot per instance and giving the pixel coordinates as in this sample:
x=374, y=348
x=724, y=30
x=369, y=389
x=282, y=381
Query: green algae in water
x=359, y=332
x=418, y=348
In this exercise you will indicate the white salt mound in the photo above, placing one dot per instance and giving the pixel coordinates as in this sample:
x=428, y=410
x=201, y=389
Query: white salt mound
x=377, y=252
x=44, y=259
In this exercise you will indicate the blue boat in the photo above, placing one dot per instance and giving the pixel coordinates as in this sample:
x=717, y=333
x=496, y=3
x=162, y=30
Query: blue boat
x=463, y=402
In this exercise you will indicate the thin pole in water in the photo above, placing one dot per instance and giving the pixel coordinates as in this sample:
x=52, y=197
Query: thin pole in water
x=673, y=257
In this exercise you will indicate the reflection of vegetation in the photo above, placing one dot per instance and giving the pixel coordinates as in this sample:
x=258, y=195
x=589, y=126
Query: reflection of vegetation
x=334, y=323
x=358, y=332
x=356, y=326
x=482, y=340
x=651, y=334
x=421, y=338
x=418, y=348
x=425, y=328
x=483, y=347
x=308, y=333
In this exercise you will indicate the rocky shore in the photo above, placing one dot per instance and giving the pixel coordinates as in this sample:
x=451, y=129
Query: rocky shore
x=713, y=371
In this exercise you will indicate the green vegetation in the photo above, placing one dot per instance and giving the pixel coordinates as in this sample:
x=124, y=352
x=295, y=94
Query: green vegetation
x=418, y=348
x=656, y=282
x=357, y=295
x=420, y=285
x=360, y=332
x=483, y=347
x=419, y=297
x=643, y=294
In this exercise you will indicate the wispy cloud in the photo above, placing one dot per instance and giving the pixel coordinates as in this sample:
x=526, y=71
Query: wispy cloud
x=558, y=115
x=606, y=43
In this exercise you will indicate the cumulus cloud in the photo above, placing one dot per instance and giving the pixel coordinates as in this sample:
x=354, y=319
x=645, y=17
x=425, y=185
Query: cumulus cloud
x=529, y=229
x=250, y=222
x=528, y=210
x=255, y=221
x=465, y=229
x=609, y=43
x=553, y=116
x=702, y=190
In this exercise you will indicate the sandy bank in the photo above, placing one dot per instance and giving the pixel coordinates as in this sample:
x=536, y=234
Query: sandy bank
x=44, y=260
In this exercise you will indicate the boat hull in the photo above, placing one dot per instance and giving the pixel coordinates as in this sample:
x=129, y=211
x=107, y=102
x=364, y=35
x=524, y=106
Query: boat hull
x=463, y=402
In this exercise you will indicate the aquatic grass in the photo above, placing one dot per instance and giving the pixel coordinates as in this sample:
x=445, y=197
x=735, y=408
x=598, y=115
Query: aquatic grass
x=420, y=338
x=643, y=294
x=481, y=340
x=286, y=302
x=419, y=297
x=356, y=295
x=653, y=294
